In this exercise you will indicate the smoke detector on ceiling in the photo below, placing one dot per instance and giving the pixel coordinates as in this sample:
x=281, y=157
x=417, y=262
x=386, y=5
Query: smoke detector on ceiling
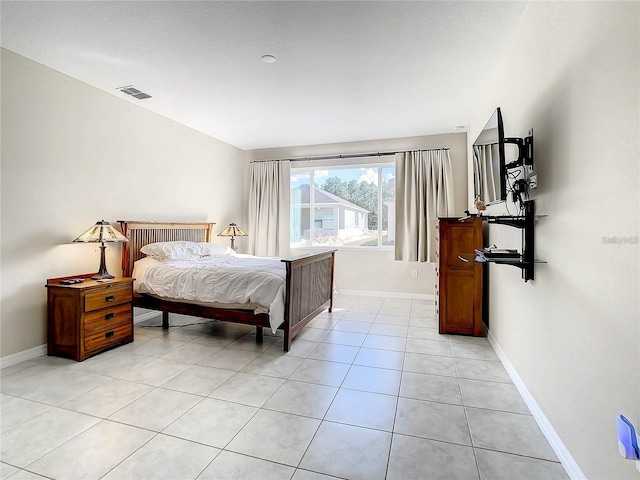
x=134, y=92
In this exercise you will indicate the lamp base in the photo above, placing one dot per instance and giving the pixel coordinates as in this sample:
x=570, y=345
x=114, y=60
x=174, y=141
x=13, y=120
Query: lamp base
x=102, y=271
x=103, y=276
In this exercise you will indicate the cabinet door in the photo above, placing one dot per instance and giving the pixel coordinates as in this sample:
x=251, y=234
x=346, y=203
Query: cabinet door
x=458, y=238
x=460, y=292
x=458, y=307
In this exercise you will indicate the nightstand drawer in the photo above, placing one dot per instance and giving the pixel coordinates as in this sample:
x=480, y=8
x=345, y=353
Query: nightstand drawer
x=104, y=319
x=107, y=296
x=104, y=338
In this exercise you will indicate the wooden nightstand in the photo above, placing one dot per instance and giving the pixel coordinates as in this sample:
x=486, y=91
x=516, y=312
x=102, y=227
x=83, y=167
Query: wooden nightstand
x=86, y=318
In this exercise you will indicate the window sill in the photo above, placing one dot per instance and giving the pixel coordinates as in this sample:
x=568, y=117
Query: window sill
x=384, y=248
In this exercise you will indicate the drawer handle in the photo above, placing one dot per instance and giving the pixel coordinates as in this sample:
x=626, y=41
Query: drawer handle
x=109, y=316
x=110, y=298
x=109, y=334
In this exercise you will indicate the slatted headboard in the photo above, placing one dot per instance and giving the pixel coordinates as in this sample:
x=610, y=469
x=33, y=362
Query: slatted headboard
x=140, y=234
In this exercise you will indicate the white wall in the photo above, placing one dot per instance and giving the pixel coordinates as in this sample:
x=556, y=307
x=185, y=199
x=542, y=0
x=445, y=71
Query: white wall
x=572, y=334
x=376, y=270
x=73, y=155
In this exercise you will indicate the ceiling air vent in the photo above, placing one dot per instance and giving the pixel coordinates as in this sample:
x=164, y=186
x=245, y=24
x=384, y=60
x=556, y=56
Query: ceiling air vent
x=134, y=92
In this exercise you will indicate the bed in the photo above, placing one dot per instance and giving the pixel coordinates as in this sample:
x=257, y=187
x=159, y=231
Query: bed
x=308, y=283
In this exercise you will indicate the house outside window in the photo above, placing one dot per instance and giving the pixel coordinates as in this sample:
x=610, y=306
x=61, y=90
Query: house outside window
x=345, y=206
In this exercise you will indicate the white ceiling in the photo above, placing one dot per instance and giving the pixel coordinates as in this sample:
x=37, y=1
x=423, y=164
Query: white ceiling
x=345, y=71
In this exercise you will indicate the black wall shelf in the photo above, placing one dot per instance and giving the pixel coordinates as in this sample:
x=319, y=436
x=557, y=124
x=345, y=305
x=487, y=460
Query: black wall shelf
x=525, y=261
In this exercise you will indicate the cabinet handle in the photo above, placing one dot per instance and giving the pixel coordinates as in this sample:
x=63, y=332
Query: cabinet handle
x=109, y=334
x=110, y=298
x=109, y=316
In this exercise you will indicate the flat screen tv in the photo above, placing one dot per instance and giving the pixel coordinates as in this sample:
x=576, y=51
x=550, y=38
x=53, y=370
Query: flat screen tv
x=489, y=169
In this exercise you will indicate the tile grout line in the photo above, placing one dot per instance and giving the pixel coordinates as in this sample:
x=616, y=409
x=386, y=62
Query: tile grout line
x=339, y=388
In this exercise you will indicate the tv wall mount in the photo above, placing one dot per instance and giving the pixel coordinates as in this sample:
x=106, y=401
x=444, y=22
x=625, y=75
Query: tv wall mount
x=525, y=151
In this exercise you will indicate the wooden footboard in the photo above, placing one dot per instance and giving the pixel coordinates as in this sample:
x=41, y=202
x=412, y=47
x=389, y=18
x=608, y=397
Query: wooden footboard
x=309, y=287
x=308, y=290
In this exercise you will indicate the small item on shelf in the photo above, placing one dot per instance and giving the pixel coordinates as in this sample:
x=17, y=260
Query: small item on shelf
x=469, y=257
x=479, y=205
x=71, y=281
x=501, y=252
x=479, y=257
x=467, y=216
x=497, y=254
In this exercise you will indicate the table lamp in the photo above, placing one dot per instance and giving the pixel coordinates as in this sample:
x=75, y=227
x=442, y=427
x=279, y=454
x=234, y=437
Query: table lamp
x=102, y=232
x=232, y=231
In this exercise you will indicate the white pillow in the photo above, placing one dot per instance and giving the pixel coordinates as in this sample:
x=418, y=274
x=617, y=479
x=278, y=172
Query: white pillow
x=174, y=250
x=214, y=249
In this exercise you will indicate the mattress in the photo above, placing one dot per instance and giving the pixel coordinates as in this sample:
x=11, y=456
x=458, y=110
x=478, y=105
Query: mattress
x=236, y=280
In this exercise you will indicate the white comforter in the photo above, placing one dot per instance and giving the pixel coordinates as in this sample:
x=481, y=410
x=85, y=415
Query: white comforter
x=229, y=279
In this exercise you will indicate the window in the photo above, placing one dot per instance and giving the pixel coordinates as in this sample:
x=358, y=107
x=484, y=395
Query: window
x=350, y=205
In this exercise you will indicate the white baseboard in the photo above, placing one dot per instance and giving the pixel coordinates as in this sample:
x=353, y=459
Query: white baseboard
x=560, y=449
x=370, y=293
x=23, y=356
x=145, y=316
x=41, y=350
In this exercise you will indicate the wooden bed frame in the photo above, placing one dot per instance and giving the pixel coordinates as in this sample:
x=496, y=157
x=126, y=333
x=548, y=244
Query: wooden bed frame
x=308, y=290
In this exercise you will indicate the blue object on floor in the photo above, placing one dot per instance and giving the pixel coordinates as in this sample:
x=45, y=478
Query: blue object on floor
x=627, y=438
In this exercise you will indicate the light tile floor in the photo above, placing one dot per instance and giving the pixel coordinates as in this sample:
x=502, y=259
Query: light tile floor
x=370, y=391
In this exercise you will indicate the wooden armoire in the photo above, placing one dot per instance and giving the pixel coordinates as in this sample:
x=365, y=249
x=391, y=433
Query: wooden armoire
x=459, y=284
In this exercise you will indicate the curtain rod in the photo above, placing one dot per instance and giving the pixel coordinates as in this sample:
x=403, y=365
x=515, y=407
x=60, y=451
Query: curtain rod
x=348, y=155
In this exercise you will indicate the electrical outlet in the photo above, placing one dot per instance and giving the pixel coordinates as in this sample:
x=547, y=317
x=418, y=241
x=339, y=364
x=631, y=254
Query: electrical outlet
x=533, y=181
x=414, y=273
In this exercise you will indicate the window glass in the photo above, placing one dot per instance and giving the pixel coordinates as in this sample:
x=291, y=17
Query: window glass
x=299, y=217
x=343, y=206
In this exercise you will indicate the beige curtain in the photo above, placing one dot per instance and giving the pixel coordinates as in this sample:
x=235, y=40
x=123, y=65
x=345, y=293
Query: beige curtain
x=484, y=183
x=424, y=192
x=269, y=208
